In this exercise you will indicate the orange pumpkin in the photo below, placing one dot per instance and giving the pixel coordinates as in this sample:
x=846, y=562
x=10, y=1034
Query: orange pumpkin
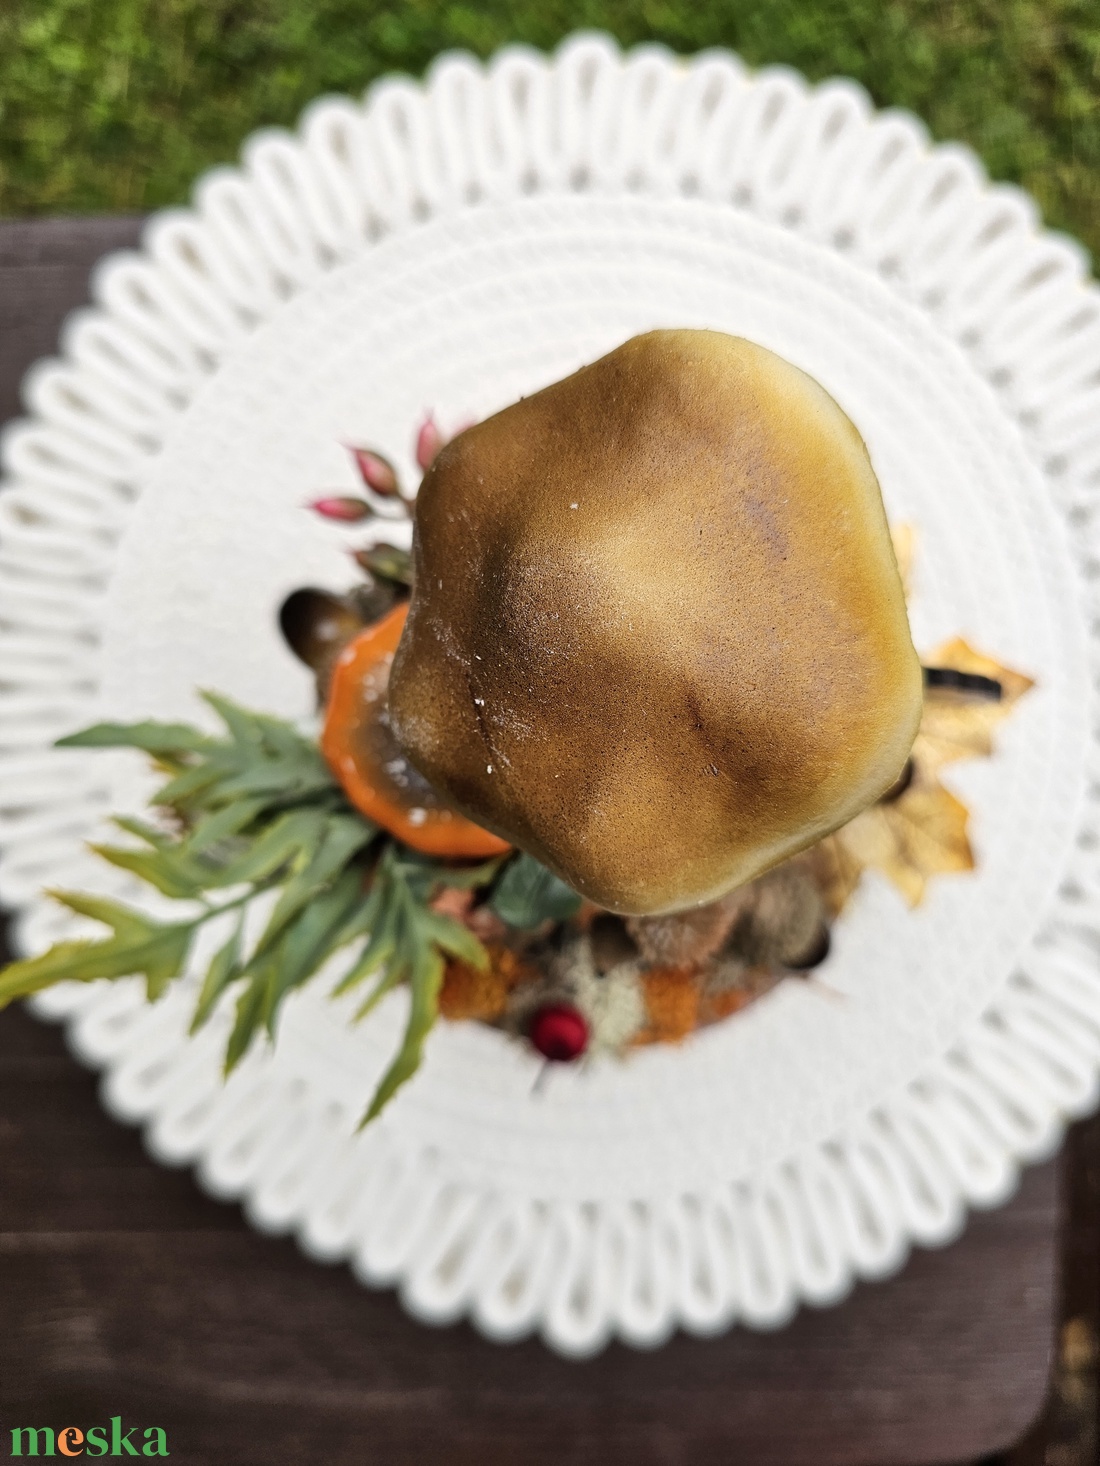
x=363, y=754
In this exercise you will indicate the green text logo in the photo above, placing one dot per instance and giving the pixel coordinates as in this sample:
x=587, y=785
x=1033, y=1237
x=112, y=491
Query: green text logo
x=93, y=1440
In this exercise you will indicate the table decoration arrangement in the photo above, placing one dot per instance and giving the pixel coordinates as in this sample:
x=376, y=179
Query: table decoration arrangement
x=459, y=246
x=706, y=764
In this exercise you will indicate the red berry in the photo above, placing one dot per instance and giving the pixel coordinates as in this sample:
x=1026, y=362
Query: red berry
x=559, y=1032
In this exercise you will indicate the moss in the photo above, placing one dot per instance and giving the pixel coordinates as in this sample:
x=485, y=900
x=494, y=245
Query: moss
x=118, y=104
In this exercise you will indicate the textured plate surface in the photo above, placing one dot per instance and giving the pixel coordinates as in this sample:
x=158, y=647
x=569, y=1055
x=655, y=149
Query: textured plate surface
x=454, y=246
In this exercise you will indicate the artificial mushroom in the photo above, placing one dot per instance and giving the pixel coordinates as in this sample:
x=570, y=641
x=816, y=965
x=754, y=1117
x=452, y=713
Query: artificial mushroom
x=657, y=635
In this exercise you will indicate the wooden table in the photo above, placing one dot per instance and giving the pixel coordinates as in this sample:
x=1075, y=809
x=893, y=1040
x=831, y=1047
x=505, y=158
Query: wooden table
x=125, y=1291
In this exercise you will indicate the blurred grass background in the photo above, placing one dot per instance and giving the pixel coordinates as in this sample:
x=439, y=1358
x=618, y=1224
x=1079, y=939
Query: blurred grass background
x=116, y=105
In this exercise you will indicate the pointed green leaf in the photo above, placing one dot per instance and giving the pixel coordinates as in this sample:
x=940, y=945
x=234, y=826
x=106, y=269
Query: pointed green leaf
x=363, y=914
x=224, y=970
x=124, y=921
x=381, y=954
x=528, y=894
x=455, y=939
x=377, y=951
x=425, y=980
x=274, y=848
x=283, y=740
x=287, y=777
x=169, y=870
x=158, y=839
x=469, y=879
x=250, y=1008
x=77, y=961
x=222, y=823
x=164, y=957
x=244, y=726
x=392, y=975
x=158, y=954
x=310, y=939
x=342, y=837
x=152, y=737
x=195, y=781
x=390, y=952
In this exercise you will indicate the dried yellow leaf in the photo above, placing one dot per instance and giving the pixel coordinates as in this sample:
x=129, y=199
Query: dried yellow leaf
x=958, y=725
x=837, y=872
x=923, y=831
x=920, y=834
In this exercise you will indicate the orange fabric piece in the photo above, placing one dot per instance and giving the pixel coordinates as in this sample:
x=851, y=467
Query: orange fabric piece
x=468, y=993
x=672, y=1004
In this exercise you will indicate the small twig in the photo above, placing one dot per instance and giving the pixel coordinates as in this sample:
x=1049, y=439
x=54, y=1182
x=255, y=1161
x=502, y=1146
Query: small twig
x=956, y=681
x=834, y=995
x=541, y=1078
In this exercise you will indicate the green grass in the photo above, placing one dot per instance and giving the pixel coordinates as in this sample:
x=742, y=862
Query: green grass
x=118, y=104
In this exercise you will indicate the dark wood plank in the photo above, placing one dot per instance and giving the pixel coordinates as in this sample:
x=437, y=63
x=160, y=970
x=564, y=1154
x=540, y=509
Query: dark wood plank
x=1068, y=1431
x=165, y=1308
x=44, y=266
x=123, y=1290
x=156, y=1303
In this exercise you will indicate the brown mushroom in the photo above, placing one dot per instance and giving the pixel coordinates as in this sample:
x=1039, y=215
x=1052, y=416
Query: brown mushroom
x=657, y=635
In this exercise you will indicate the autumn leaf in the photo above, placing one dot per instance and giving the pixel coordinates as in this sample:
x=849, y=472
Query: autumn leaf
x=920, y=834
x=837, y=871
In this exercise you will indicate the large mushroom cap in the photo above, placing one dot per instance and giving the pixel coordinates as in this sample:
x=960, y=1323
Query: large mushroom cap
x=657, y=637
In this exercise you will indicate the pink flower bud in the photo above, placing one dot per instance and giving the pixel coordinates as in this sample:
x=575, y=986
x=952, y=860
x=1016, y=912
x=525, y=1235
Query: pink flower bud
x=429, y=440
x=376, y=472
x=350, y=511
